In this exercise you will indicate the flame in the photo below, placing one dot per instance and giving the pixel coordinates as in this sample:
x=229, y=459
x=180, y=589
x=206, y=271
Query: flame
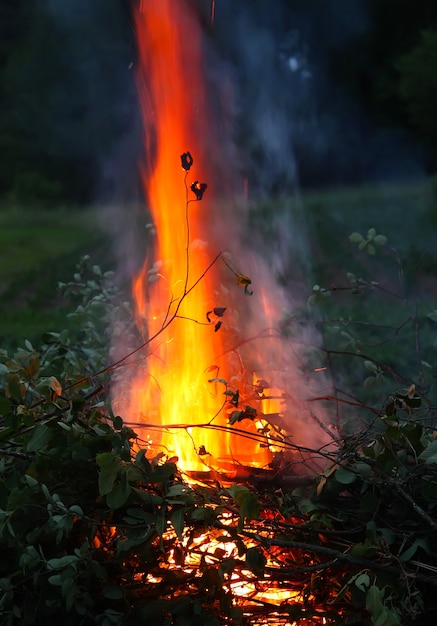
x=172, y=397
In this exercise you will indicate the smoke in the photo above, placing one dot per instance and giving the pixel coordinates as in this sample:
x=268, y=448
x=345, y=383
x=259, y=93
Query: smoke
x=302, y=108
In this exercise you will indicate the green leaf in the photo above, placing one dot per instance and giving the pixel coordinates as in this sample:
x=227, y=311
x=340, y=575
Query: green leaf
x=432, y=316
x=247, y=501
x=369, y=382
x=374, y=600
x=380, y=240
x=177, y=520
x=118, y=496
x=64, y=561
x=110, y=466
x=411, y=551
x=371, y=249
x=55, y=580
x=344, y=476
x=362, y=582
x=371, y=366
x=429, y=455
x=178, y=490
x=30, y=480
x=76, y=510
x=5, y=406
x=371, y=233
x=355, y=238
x=41, y=436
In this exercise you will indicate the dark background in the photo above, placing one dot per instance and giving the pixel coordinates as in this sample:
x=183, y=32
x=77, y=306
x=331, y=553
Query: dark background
x=331, y=93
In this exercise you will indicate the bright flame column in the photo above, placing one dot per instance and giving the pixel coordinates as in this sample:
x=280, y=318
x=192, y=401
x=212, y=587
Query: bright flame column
x=175, y=388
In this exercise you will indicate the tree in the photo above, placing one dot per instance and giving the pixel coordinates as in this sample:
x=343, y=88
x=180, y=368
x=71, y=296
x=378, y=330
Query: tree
x=418, y=84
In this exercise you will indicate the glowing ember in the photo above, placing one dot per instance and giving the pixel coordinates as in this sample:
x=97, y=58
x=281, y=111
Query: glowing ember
x=177, y=298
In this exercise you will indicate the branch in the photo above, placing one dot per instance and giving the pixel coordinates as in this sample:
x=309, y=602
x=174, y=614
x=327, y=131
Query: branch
x=340, y=556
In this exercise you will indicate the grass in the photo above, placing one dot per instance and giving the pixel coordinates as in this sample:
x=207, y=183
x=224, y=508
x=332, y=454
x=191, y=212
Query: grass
x=41, y=247
x=38, y=249
x=404, y=273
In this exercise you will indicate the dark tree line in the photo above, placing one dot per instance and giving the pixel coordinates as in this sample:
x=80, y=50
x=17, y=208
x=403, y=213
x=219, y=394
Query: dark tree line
x=352, y=84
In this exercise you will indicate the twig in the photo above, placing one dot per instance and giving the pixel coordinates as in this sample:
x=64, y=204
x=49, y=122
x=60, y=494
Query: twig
x=418, y=509
x=18, y=455
x=341, y=556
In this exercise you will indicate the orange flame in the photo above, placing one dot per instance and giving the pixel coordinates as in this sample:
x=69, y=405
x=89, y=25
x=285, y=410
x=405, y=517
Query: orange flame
x=174, y=397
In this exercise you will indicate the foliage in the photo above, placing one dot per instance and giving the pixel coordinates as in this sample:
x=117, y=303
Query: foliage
x=40, y=248
x=65, y=107
x=418, y=84
x=95, y=529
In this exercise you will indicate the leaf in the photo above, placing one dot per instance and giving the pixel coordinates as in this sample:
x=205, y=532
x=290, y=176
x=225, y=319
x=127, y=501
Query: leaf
x=243, y=280
x=55, y=385
x=432, y=316
x=411, y=551
x=247, y=501
x=374, y=600
x=41, y=436
x=380, y=240
x=371, y=366
x=109, y=467
x=76, y=510
x=118, y=422
x=30, y=480
x=178, y=490
x=62, y=562
x=5, y=406
x=355, y=238
x=371, y=249
x=369, y=381
x=118, y=496
x=371, y=233
x=55, y=580
x=344, y=476
x=362, y=582
x=351, y=277
x=177, y=520
x=256, y=561
x=429, y=455
x=236, y=416
x=218, y=380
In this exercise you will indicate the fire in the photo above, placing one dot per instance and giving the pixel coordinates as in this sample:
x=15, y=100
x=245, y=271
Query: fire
x=176, y=296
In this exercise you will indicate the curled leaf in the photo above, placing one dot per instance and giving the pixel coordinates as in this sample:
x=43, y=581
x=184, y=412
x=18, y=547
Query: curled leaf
x=243, y=280
x=186, y=161
x=198, y=189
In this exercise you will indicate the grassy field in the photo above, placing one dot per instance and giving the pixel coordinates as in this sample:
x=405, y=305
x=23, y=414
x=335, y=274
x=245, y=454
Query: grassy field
x=41, y=247
x=38, y=249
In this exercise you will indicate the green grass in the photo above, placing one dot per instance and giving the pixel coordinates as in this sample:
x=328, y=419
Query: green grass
x=39, y=248
x=406, y=214
x=405, y=272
